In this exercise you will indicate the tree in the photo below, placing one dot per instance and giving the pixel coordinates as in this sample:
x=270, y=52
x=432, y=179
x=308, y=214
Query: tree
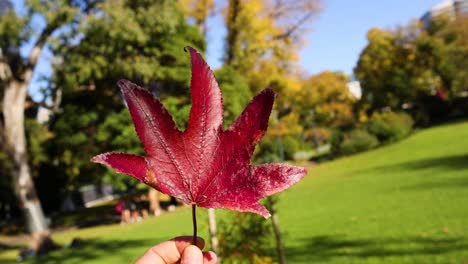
x=17, y=71
x=142, y=41
x=236, y=92
x=374, y=68
x=198, y=11
x=450, y=52
x=325, y=101
x=263, y=39
x=399, y=68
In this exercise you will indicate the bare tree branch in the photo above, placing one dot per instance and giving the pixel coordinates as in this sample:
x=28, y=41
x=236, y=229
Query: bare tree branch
x=296, y=26
x=36, y=52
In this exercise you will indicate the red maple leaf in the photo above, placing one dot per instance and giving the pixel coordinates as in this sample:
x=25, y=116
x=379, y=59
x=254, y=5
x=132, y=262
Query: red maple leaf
x=203, y=165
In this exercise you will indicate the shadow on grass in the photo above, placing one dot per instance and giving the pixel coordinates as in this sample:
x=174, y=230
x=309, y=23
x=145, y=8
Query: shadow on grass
x=6, y=246
x=91, y=249
x=98, y=215
x=432, y=179
x=452, y=183
x=453, y=162
x=87, y=217
x=322, y=248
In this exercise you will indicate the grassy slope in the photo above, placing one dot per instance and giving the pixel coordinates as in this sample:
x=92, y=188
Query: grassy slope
x=405, y=203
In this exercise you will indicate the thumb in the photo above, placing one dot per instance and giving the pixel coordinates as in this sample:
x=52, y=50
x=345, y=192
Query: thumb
x=192, y=255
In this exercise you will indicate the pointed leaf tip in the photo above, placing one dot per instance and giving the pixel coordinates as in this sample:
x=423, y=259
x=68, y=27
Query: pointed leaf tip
x=252, y=124
x=206, y=113
x=153, y=123
x=269, y=92
x=274, y=178
x=132, y=165
x=124, y=84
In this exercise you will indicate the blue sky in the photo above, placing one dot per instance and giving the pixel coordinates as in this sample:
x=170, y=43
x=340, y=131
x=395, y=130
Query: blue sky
x=339, y=33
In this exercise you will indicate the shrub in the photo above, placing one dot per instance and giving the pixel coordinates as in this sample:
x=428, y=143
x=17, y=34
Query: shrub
x=236, y=88
x=358, y=140
x=291, y=145
x=336, y=139
x=390, y=126
x=269, y=149
x=317, y=136
x=245, y=238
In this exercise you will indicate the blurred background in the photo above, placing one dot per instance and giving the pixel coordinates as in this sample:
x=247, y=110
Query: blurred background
x=372, y=99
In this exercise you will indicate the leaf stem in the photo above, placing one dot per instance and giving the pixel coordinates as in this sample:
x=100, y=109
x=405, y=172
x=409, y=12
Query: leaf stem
x=194, y=220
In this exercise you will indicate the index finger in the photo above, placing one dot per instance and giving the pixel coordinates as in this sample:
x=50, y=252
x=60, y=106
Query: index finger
x=169, y=251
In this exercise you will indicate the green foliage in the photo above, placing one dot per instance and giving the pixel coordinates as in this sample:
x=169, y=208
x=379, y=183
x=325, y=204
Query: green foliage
x=37, y=136
x=74, y=139
x=336, y=139
x=381, y=72
x=358, y=140
x=318, y=136
x=325, y=100
x=236, y=93
x=245, y=238
x=273, y=148
x=390, y=126
x=11, y=27
x=179, y=109
x=447, y=45
x=282, y=140
x=267, y=151
x=403, y=66
x=291, y=145
x=7, y=194
x=137, y=40
x=142, y=41
x=117, y=133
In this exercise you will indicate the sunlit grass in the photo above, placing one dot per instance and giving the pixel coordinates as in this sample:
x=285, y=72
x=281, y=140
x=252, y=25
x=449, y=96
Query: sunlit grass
x=405, y=203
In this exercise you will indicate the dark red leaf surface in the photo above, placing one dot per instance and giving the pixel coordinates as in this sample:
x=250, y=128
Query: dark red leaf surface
x=203, y=165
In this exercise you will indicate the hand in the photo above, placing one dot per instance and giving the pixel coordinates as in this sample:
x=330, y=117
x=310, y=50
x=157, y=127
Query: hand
x=178, y=250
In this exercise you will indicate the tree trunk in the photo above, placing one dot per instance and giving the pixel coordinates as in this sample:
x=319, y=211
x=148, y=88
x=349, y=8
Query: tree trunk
x=234, y=8
x=153, y=200
x=14, y=143
x=212, y=225
x=276, y=229
x=271, y=201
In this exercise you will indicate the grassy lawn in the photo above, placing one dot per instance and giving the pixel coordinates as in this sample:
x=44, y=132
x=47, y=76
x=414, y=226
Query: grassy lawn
x=404, y=203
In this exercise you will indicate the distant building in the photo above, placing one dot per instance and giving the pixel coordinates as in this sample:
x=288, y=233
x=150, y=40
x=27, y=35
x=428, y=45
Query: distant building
x=92, y=194
x=449, y=8
x=355, y=88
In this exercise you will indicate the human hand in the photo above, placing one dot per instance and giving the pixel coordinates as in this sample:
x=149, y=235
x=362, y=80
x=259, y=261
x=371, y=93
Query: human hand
x=178, y=250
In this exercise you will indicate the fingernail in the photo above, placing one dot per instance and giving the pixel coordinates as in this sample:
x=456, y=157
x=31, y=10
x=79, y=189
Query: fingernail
x=210, y=257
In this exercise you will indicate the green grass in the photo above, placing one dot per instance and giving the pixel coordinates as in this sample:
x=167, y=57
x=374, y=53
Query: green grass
x=404, y=203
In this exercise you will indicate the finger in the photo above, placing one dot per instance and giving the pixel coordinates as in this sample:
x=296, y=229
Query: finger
x=183, y=241
x=210, y=257
x=192, y=255
x=169, y=251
